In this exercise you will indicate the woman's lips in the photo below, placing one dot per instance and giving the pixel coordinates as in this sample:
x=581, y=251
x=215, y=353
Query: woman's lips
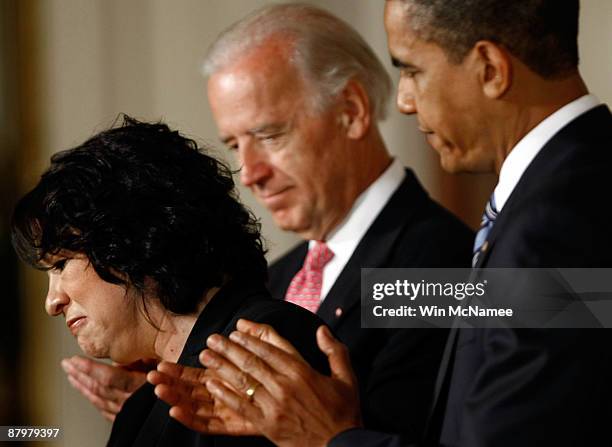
x=75, y=323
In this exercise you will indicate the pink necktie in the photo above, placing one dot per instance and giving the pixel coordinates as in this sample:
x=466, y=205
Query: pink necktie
x=305, y=287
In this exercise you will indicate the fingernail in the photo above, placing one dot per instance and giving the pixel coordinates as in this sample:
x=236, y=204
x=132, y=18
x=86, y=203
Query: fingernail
x=157, y=391
x=163, y=367
x=72, y=381
x=213, y=341
x=326, y=331
x=65, y=365
x=208, y=359
x=237, y=337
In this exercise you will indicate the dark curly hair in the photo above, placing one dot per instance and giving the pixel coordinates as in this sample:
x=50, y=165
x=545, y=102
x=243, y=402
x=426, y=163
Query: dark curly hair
x=142, y=203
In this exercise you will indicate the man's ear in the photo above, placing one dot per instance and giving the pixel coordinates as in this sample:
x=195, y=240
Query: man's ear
x=494, y=65
x=354, y=110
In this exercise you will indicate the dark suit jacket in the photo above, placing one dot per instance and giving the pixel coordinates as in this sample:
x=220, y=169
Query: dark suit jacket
x=396, y=368
x=144, y=420
x=509, y=387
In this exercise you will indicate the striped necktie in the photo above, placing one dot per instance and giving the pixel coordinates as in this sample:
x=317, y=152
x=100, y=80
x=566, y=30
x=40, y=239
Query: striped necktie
x=488, y=219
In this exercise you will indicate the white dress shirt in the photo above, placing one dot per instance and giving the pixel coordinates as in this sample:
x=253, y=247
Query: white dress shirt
x=343, y=240
x=530, y=145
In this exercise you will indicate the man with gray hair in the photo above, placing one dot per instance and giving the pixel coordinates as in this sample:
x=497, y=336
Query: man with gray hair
x=297, y=95
x=495, y=87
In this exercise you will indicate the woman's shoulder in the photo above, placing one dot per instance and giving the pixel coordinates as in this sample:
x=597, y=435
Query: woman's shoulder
x=294, y=323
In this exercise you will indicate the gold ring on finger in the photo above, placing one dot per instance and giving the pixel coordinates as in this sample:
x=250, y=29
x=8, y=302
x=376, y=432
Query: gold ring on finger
x=250, y=391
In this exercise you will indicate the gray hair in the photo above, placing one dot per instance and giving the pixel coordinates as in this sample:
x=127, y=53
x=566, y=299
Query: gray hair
x=327, y=51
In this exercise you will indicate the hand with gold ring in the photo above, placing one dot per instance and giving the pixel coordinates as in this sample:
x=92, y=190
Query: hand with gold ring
x=183, y=388
x=295, y=404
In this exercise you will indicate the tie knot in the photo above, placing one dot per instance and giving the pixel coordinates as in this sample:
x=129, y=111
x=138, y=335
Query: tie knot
x=318, y=256
x=488, y=219
x=490, y=213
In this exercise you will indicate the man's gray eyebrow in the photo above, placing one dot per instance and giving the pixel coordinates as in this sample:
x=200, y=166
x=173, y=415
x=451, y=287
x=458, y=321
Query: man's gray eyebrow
x=267, y=127
x=256, y=130
x=225, y=140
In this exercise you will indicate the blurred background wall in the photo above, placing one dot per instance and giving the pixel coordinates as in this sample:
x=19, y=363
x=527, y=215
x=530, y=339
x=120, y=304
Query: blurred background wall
x=10, y=342
x=68, y=67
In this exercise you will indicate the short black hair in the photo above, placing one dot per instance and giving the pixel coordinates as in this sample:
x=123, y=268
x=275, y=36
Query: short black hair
x=143, y=203
x=543, y=34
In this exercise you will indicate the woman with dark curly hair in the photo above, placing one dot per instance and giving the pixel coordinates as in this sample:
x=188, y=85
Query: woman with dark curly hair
x=148, y=252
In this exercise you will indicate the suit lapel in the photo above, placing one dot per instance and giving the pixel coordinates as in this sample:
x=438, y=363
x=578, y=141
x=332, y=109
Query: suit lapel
x=448, y=358
x=546, y=164
x=374, y=249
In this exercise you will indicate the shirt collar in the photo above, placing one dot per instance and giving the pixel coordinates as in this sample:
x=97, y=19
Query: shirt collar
x=530, y=145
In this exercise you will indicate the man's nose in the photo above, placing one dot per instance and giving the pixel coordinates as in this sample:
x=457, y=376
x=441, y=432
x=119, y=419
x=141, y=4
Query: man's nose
x=56, y=299
x=255, y=168
x=405, y=98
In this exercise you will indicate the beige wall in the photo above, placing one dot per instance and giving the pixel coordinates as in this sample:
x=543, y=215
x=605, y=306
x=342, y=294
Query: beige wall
x=595, y=45
x=102, y=57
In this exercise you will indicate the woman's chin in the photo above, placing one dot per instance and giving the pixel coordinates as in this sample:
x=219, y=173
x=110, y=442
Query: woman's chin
x=92, y=350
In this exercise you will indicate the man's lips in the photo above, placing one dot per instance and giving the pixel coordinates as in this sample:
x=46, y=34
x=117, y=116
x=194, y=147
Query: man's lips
x=270, y=195
x=434, y=140
x=75, y=323
x=275, y=200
